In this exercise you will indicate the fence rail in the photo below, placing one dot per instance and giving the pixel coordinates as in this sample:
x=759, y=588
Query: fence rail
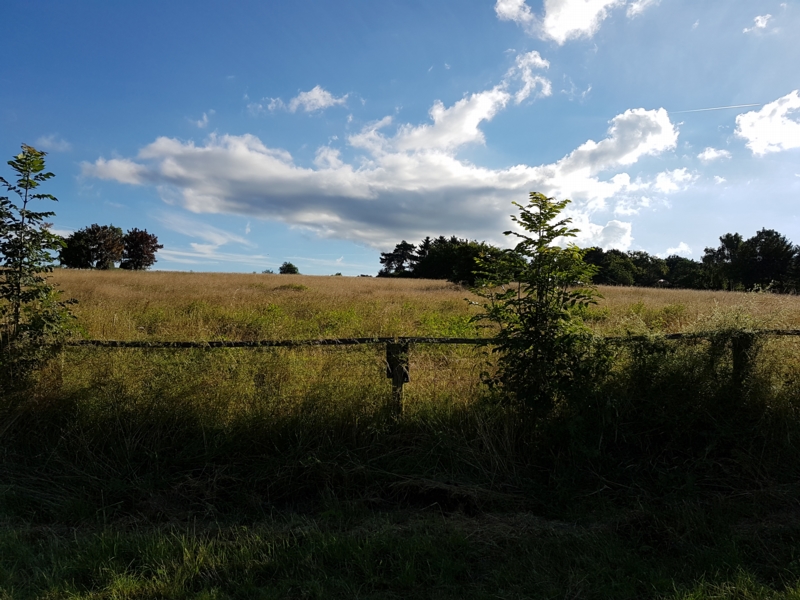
x=397, y=348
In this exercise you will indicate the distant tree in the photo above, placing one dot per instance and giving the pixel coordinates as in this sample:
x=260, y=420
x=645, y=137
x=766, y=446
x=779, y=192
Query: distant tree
x=268, y=272
x=450, y=258
x=649, y=269
x=768, y=259
x=94, y=247
x=140, y=250
x=288, y=268
x=724, y=264
x=614, y=267
x=399, y=262
x=685, y=273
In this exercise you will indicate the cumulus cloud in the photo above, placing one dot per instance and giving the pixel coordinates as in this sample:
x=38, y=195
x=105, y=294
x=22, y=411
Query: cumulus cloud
x=712, y=154
x=681, y=249
x=404, y=180
x=315, y=99
x=773, y=128
x=53, y=143
x=760, y=22
x=718, y=180
x=564, y=20
x=673, y=181
x=122, y=170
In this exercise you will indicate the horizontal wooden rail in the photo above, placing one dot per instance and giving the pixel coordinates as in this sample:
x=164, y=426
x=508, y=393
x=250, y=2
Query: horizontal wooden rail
x=277, y=343
x=387, y=340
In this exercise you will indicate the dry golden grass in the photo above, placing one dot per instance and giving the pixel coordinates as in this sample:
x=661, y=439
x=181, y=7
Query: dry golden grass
x=205, y=306
x=208, y=306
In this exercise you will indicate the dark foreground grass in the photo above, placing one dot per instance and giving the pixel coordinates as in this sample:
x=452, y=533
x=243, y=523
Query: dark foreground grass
x=233, y=475
x=678, y=551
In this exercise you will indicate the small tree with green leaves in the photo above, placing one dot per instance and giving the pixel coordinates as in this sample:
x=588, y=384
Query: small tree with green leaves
x=534, y=293
x=30, y=307
x=288, y=268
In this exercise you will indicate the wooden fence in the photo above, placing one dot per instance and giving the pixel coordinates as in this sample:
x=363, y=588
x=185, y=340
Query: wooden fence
x=398, y=348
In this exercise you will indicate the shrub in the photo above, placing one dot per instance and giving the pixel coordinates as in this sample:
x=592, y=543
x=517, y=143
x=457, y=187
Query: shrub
x=534, y=292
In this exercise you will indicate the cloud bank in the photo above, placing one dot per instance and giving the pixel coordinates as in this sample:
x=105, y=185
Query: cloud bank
x=404, y=180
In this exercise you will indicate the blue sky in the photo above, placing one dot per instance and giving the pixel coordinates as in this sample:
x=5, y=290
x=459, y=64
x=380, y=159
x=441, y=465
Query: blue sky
x=245, y=134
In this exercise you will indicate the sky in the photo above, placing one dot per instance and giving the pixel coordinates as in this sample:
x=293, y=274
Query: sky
x=323, y=132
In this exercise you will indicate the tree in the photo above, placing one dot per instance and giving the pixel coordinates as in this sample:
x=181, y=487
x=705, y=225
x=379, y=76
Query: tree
x=724, y=264
x=140, y=250
x=613, y=267
x=30, y=307
x=399, y=262
x=531, y=293
x=288, y=268
x=449, y=258
x=93, y=247
x=768, y=258
x=649, y=269
x=685, y=272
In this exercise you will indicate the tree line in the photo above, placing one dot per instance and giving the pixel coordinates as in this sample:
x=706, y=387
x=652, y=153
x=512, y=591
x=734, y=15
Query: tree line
x=102, y=246
x=765, y=261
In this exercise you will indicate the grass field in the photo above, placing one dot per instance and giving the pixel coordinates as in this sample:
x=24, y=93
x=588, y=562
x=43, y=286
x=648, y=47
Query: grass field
x=279, y=473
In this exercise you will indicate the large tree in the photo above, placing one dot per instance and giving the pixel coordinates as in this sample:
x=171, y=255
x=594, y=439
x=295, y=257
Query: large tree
x=140, y=250
x=93, y=247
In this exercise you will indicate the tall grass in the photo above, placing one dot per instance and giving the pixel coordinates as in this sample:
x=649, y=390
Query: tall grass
x=669, y=453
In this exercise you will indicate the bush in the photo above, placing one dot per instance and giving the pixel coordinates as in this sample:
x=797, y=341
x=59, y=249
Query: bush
x=533, y=293
x=288, y=268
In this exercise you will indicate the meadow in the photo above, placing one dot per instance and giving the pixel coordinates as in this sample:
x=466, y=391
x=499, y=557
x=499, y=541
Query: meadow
x=279, y=473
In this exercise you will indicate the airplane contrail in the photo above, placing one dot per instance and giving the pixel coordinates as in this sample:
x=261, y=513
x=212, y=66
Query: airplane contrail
x=677, y=112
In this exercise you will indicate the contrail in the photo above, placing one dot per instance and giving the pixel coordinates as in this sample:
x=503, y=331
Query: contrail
x=677, y=112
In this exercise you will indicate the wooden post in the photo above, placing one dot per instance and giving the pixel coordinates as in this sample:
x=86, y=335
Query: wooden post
x=397, y=371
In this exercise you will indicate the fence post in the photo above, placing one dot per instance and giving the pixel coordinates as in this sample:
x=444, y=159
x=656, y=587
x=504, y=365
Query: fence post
x=741, y=351
x=397, y=371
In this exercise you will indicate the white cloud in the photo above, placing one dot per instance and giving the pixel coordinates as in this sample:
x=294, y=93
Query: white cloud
x=673, y=181
x=53, y=143
x=771, y=129
x=637, y=7
x=122, y=170
x=718, y=180
x=202, y=123
x=316, y=99
x=517, y=11
x=711, y=154
x=681, y=249
x=454, y=126
x=760, y=23
x=405, y=181
x=564, y=20
x=523, y=69
x=628, y=206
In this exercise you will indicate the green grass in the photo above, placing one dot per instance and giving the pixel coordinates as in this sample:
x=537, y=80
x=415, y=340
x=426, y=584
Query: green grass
x=280, y=473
